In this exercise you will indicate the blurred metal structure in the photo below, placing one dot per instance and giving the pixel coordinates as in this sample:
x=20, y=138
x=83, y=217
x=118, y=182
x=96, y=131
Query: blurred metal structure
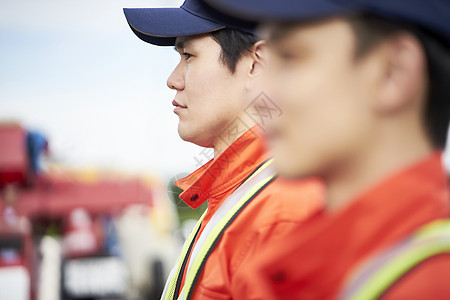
x=68, y=234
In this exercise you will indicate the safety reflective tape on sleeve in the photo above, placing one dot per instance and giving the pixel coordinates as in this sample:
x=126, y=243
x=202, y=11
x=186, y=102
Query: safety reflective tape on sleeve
x=174, y=276
x=376, y=276
x=213, y=231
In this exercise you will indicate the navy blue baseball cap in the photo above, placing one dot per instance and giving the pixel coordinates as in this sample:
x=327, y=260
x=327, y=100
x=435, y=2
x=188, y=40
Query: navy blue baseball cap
x=432, y=15
x=161, y=26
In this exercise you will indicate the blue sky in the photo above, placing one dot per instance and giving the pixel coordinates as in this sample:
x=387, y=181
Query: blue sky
x=74, y=70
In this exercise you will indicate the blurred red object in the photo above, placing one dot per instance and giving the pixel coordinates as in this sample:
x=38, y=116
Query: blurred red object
x=80, y=237
x=55, y=198
x=14, y=163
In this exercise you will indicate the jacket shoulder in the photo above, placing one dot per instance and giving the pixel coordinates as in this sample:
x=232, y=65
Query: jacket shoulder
x=287, y=201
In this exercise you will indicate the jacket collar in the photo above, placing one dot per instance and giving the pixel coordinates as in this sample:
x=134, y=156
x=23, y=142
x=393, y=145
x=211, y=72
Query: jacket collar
x=221, y=175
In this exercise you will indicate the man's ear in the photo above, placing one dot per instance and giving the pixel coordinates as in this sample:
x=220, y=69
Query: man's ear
x=258, y=61
x=403, y=73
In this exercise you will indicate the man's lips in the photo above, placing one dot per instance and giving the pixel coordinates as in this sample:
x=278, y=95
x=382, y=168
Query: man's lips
x=176, y=104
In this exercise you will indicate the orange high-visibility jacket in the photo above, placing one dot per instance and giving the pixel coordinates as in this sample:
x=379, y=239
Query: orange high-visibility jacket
x=321, y=254
x=281, y=206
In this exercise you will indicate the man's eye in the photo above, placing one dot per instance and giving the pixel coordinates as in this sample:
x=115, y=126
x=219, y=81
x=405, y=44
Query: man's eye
x=186, y=55
x=287, y=56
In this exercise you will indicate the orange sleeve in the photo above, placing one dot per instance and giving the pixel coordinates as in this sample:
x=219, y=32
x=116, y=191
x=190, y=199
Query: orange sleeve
x=429, y=280
x=287, y=206
x=245, y=285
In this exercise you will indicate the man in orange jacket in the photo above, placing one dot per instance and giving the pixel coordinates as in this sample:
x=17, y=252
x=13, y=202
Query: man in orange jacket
x=364, y=87
x=219, y=105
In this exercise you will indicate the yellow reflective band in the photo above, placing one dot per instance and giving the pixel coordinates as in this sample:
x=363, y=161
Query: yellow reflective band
x=211, y=234
x=169, y=293
x=219, y=228
x=438, y=227
x=383, y=271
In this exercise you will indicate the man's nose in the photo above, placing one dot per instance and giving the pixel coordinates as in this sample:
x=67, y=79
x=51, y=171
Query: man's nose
x=176, y=80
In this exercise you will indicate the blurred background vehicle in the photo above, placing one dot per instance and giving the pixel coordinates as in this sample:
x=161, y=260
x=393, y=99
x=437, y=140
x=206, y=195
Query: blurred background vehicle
x=79, y=234
x=93, y=100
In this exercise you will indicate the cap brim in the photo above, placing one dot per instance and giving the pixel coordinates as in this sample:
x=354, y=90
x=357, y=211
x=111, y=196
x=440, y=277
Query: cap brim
x=161, y=26
x=280, y=10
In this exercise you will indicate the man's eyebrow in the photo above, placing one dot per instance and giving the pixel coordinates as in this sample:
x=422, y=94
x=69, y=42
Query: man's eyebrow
x=181, y=42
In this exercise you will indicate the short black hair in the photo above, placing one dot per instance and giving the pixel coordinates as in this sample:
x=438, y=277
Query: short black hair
x=370, y=30
x=234, y=45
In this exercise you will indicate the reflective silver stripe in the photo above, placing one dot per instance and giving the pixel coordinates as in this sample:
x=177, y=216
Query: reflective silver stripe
x=375, y=276
x=171, y=274
x=225, y=207
x=181, y=295
x=182, y=255
x=262, y=173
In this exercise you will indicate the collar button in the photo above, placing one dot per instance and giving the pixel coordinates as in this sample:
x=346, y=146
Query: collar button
x=194, y=197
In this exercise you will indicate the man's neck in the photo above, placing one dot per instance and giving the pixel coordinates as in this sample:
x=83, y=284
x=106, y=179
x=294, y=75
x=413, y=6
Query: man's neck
x=232, y=132
x=365, y=170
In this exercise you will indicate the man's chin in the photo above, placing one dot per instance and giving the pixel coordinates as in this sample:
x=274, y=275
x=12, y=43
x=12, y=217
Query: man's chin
x=290, y=168
x=183, y=133
x=186, y=135
x=193, y=137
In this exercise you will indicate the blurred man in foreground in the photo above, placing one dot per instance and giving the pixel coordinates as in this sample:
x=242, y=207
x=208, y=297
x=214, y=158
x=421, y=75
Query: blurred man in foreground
x=371, y=78
x=217, y=84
